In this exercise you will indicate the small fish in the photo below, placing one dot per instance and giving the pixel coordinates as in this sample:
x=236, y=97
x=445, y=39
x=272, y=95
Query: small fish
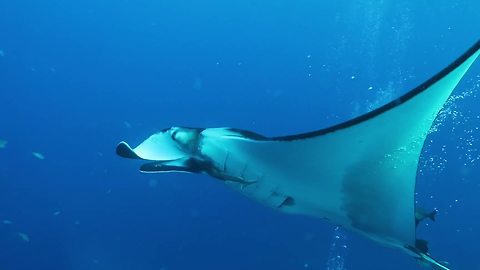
x=56, y=213
x=38, y=155
x=24, y=237
x=2, y=53
x=3, y=143
x=7, y=222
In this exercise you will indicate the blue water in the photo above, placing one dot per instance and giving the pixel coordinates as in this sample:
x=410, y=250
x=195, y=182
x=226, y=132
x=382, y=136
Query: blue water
x=77, y=77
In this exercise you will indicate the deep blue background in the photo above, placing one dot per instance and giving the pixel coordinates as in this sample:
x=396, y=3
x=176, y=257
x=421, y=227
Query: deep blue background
x=77, y=77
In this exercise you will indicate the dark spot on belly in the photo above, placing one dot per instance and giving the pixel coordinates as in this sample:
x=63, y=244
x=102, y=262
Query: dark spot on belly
x=289, y=201
x=366, y=197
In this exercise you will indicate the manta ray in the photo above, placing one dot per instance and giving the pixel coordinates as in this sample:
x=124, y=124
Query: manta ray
x=359, y=174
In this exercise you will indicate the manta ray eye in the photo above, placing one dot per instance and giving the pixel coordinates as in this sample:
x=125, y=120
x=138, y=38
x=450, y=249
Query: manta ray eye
x=183, y=136
x=178, y=134
x=174, y=133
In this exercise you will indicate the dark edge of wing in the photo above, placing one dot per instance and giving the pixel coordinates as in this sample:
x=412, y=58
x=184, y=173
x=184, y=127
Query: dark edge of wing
x=417, y=90
x=249, y=134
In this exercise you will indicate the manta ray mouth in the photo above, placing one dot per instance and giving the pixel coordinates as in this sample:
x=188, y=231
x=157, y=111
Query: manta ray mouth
x=187, y=164
x=163, y=166
x=183, y=164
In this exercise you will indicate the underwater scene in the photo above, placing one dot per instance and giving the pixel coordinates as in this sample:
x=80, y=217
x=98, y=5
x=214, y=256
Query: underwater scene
x=287, y=135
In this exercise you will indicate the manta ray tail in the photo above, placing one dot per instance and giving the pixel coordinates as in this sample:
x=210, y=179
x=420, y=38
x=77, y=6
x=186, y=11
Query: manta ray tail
x=425, y=258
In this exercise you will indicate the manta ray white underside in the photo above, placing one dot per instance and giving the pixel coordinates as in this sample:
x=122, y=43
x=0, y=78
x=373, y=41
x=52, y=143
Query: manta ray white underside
x=359, y=174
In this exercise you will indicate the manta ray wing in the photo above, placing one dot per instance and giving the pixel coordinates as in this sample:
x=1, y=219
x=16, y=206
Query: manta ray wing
x=359, y=174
